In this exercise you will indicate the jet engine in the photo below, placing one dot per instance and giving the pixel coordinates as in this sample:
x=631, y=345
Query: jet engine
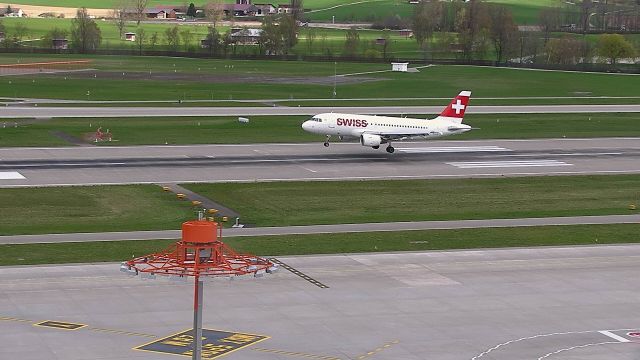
x=370, y=140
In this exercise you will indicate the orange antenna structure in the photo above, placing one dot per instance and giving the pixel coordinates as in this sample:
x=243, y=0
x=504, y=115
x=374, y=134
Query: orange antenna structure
x=200, y=253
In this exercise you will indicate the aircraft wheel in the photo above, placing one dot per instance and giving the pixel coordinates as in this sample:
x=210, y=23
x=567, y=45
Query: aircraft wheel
x=326, y=144
x=390, y=149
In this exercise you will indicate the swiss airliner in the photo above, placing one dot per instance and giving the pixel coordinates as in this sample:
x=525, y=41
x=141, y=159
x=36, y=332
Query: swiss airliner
x=374, y=130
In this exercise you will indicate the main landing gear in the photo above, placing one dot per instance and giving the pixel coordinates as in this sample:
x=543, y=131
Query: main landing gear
x=390, y=149
x=326, y=142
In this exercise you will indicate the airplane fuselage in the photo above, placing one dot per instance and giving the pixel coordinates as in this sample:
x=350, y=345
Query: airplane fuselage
x=376, y=130
x=351, y=125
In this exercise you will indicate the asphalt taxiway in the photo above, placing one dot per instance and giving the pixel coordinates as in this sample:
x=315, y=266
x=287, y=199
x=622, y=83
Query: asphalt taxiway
x=15, y=112
x=23, y=167
x=535, y=303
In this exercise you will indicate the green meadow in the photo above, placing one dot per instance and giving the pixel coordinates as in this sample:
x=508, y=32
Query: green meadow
x=336, y=243
x=264, y=204
x=267, y=80
x=90, y=209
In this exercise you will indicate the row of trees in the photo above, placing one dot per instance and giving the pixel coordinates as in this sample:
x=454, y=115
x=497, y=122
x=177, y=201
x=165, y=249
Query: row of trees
x=472, y=29
x=85, y=34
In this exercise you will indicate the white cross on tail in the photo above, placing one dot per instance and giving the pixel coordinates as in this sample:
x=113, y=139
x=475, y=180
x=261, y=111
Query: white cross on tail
x=458, y=107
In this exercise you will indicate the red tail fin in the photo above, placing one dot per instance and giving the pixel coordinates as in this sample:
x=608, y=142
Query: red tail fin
x=457, y=106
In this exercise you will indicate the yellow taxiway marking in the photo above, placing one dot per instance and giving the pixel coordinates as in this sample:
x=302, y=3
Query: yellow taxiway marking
x=377, y=350
x=296, y=354
x=122, y=332
x=62, y=325
x=8, y=318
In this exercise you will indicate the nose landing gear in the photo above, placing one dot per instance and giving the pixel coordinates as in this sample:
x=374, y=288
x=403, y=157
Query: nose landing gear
x=390, y=149
x=326, y=142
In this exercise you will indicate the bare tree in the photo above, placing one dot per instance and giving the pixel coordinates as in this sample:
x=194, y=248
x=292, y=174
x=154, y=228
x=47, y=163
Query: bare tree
x=311, y=37
x=173, y=37
x=141, y=38
x=503, y=31
x=297, y=10
x=213, y=41
x=119, y=15
x=187, y=37
x=428, y=17
x=549, y=20
x=153, y=40
x=585, y=14
x=214, y=11
x=565, y=50
x=139, y=7
x=20, y=31
x=473, y=26
x=351, y=43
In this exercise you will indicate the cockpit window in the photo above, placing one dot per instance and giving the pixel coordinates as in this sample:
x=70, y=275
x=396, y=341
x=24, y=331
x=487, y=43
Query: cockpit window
x=316, y=119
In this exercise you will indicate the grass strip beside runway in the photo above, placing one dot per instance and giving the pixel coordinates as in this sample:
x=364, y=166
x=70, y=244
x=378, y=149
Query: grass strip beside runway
x=157, y=78
x=336, y=243
x=335, y=202
x=286, y=129
x=90, y=209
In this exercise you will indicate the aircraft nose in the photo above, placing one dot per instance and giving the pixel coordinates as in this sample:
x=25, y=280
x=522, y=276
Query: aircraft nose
x=306, y=125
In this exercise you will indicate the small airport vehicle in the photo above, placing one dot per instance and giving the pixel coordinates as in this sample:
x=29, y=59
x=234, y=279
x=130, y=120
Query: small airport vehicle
x=374, y=130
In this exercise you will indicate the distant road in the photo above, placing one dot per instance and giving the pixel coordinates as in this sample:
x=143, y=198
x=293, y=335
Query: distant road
x=51, y=112
x=329, y=229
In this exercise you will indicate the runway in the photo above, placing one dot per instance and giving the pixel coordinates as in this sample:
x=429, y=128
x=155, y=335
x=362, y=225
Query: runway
x=24, y=167
x=16, y=112
x=535, y=303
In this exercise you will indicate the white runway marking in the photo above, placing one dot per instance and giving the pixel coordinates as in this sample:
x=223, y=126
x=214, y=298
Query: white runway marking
x=452, y=149
x=614, y=336
x=11, y=175
x=511, y=342
x=506, y=164
x=550, y=154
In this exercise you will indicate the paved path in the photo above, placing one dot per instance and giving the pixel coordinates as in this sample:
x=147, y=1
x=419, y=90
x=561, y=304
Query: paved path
x=324, y=229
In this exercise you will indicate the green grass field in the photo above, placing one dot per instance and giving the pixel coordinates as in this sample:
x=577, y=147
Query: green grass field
x=286, y=129
x=321, y=10
x=39, y=27
x=435, y=81
x=90, y=209
x=336, y=243
x=304, y=203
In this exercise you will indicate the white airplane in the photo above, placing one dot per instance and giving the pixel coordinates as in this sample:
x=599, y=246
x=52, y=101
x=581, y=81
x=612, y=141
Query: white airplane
x=376, y=130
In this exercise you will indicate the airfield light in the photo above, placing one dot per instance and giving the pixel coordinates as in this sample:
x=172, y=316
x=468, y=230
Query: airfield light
x=202, y=255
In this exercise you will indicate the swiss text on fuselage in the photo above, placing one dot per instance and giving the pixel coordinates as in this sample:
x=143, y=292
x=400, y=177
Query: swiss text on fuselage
x=352, y=122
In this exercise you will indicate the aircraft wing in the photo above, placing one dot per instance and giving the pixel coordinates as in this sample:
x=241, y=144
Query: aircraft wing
x=396, y=136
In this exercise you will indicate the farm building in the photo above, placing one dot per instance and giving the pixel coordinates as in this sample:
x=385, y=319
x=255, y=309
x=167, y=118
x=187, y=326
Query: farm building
x=246, y=36
x=284, y=9
x=60, y=44
x=11, y=12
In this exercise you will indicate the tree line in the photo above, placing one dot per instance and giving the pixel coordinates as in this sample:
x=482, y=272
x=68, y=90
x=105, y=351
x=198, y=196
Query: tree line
x=475, y=29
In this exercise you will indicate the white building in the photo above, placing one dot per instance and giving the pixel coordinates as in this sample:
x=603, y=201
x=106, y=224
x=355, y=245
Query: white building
x=398, y=66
